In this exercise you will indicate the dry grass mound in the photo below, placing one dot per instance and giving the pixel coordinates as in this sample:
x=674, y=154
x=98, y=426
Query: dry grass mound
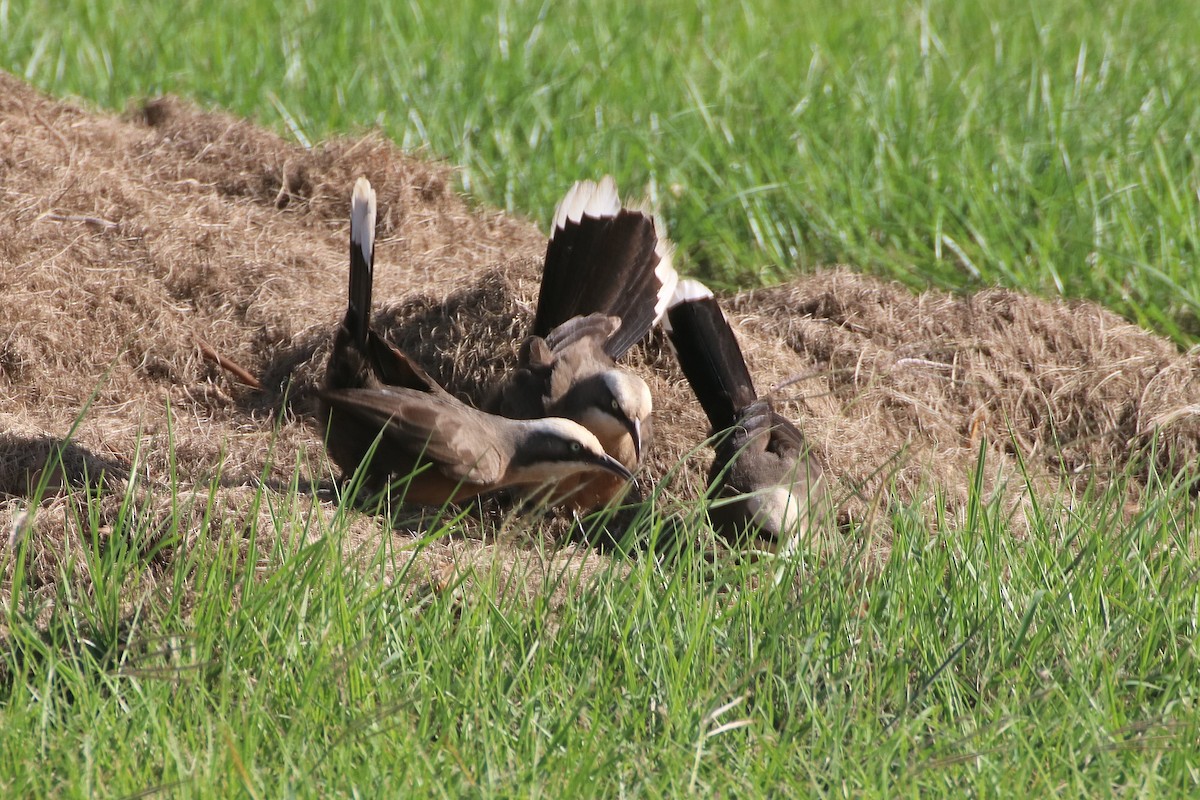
x=1072, y=390
x=124, y=241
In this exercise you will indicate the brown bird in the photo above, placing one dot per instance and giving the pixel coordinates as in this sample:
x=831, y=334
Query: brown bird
x=763, y=480
x=374, y=396
x=606, y=280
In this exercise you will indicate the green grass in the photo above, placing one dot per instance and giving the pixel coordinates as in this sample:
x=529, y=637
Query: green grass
x=1046, y=146
x=1063, y=664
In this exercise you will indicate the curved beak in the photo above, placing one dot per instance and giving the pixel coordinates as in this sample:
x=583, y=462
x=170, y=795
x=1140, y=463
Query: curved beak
x=610, y=464
x=635, y=432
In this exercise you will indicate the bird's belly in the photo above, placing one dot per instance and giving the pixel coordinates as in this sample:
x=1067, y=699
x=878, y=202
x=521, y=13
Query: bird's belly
x=432, y=488
x=582, y=492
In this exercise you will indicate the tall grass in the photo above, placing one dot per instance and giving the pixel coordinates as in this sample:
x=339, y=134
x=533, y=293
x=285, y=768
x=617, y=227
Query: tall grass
x=1047, y=146
x=274, y=661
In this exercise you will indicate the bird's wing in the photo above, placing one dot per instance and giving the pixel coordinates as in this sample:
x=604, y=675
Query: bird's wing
x=786, y=440
x=761, y=449
x=521, y=393
x=592, y=327
x=462, y=443
x=741, y=448
x=780, y=489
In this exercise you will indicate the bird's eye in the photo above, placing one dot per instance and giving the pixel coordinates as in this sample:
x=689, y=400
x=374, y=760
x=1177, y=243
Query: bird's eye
x=615, y=405
x=576, y=447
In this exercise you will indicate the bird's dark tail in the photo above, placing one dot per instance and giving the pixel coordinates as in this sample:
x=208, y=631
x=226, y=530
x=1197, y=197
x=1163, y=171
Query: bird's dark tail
x=362, y=261
x=709, y=354
x=604, y=259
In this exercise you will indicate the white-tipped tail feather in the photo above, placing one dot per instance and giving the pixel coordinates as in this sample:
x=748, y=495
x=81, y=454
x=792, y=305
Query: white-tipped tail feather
x=362, y=218
x=685, y=290
x=599, y=200
x=689, y=289
x=668, y=278
x=587, y=197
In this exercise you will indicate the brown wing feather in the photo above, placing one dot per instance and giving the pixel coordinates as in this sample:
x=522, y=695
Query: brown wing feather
x=419, y=427
x=597, y=327
x=394, y=367
x=549, y=366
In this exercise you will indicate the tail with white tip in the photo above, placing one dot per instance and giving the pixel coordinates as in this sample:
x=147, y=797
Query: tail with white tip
x=709, y=354
x=604, y=259
x=362, y=260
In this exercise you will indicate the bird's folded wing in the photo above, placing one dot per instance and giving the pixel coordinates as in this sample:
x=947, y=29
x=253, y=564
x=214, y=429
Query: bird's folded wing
x=594, y=327
x=521, y=393
x=549, y=366
x=760, y=429
x=786, y=439
x=456, y=439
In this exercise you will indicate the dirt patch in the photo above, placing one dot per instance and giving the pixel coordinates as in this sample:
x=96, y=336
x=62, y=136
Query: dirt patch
x=124, y=238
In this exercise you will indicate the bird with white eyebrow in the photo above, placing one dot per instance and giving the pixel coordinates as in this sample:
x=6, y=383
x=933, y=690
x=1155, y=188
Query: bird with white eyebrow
x=440, y=449
x=606, y=280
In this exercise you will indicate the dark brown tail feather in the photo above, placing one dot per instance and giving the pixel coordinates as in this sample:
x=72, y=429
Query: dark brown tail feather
x=712, y=360
x=602, y=265
x=362, y=231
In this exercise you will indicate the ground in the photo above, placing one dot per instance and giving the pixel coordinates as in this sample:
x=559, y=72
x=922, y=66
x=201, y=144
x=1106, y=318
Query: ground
x=126, y=242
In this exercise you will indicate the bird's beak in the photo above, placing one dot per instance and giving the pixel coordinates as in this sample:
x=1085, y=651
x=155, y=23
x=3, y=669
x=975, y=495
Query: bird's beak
x=610, y=464
x=635, y=432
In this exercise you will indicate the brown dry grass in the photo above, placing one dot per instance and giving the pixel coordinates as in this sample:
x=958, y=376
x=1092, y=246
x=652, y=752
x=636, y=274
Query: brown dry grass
x=123, y=240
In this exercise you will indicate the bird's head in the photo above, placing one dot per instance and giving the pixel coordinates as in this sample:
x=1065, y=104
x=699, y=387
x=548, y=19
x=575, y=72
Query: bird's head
x=611, y=404
x=551, y=449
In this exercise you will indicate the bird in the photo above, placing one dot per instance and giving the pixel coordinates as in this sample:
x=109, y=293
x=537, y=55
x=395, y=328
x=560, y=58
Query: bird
x=606, y=280
x=763, y=480
x=445, y=451
x=375, y=396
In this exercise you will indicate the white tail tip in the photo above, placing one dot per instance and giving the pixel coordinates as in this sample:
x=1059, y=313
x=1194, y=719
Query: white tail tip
x=587, y=198
x=686, y=290
x=689, y=289
x=362, y=218
x=668, y=278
